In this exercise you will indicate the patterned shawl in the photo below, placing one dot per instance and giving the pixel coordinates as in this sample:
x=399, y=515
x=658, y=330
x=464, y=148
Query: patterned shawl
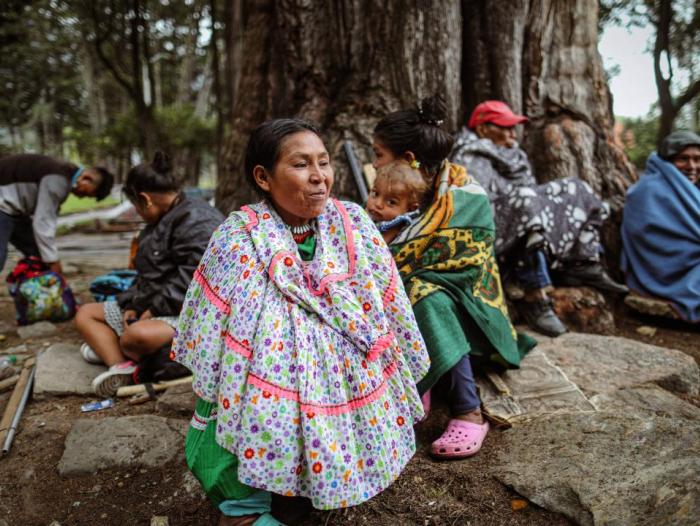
x=450, y=248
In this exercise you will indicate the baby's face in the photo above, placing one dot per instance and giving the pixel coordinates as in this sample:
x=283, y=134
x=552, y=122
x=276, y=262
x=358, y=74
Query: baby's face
x=389, y=199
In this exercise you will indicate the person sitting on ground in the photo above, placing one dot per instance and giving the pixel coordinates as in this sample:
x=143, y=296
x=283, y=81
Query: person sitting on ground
x=554, y=225
x=302, y=343
x=142, y=319
x=661, y=226
x=443, y=247
x=32, y=189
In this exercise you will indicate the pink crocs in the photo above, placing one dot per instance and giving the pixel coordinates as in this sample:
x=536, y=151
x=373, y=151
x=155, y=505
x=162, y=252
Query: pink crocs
x=461, y=439
x=425, y=399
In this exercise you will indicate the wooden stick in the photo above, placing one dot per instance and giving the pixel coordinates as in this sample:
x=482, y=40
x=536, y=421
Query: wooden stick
x=130, y=390
x=15, y=400
x=8, y=382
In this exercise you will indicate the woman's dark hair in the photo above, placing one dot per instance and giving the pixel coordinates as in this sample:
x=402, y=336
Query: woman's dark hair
x=156, y=177
x=265, y=141
x=418, y=130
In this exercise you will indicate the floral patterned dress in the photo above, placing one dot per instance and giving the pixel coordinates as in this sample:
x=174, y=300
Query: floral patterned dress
x=312, y=365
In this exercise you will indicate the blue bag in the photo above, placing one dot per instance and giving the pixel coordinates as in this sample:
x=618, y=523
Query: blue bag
x=106, y=286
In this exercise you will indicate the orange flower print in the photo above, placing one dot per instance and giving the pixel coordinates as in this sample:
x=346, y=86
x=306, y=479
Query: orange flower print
x=386, y=405
x=266, y=216
x=366, y=307
x=246, y=274
x=172, y=355
x=400, y=420
x=310, y=415
x=288, y=261
x=249, y=453
x=299, y=469
x=226, y=403
x=267, y=394
x=244, y=258
x=317, y=467
x=331, y=264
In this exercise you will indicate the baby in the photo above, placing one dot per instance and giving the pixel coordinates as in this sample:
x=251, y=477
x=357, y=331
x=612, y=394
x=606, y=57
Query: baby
x=398, y=194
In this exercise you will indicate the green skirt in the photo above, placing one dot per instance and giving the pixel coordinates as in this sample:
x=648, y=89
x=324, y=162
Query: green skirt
x=450, y=333
x=215, y=467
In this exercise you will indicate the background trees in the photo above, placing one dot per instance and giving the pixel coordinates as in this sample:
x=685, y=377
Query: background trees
x=111, y=80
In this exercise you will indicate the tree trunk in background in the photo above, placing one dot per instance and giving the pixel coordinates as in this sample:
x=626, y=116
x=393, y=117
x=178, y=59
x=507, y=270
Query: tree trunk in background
x=346, y=64
x=343, y=64
x=543, y=61
x=541, y=57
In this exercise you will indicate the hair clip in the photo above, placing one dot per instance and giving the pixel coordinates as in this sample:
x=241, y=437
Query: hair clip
x=415, y=164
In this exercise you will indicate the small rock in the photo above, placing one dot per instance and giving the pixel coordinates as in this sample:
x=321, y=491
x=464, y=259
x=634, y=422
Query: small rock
x=651, y=306
x=583, y=309
x=645, y=330
x=3, y=337
x=159, y=521
x=36, y=330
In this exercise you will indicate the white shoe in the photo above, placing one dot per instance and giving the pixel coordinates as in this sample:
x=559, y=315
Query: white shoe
x=89, y=355
x=119, y=375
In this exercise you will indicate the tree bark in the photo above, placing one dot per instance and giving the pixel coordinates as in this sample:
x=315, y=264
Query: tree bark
x=343, y=64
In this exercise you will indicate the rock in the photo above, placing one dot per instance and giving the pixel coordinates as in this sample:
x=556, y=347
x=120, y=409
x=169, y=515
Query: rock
x=179, y=399
x=583, y=309
x=16, y=350
x=131, y=441
x=645, y=330
x=651, y=306
x=159, y=521
x=538, y=387
x=603, y=364
x=606, y=468
x=644, y=401
x=36, y=330
x=61, y=371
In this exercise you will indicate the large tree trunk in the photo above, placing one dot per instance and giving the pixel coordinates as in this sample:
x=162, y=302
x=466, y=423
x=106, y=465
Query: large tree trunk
x=541, y=57
x=344, y=64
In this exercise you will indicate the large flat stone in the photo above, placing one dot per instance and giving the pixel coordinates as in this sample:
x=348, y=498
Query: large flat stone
x=607, y=468
x=36, y=330
x=62, y=371
x=537, y=388
x=179, y=399
x=646, y=399
x=604, y=364
x=131, y=441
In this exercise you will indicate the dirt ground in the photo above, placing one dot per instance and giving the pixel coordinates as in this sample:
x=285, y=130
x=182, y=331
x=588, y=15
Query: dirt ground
x=32, y=493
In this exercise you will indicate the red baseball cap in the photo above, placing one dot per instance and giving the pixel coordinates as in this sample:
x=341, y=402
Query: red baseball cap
x=496, y=112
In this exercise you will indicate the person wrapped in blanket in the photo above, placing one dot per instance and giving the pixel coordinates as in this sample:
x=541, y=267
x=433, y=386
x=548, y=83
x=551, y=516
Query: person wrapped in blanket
x=439, y=226
x=661, y=226
x=141, y=321
x=302, y=342
x=539, y=227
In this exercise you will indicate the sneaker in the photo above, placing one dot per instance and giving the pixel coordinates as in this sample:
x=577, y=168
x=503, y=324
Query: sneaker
x=540, y=316
x=89, y=355
x=591, y=275
x=119, y=375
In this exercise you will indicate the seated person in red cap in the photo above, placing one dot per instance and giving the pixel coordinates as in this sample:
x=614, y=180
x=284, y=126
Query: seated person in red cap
x=538, y=227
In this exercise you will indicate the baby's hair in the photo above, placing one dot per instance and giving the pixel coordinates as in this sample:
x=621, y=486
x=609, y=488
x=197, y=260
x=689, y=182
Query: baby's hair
x=401, y=172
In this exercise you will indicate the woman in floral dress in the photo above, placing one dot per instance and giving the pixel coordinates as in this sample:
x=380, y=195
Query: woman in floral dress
x=304, y=348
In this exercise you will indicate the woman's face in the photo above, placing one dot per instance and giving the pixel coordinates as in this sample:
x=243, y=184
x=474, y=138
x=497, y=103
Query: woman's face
x=382, y=154
x=499, y=135
x=301, y=180
x=688, y=163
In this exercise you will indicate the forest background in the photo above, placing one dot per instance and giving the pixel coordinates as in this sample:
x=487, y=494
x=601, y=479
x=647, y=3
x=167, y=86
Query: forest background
x=111, y=81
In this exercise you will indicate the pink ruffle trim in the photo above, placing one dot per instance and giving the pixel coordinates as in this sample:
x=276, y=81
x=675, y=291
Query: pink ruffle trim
x=209, y=292
x=252, y=218
x=236, y=346
x=381, y=345
x=331, y=278
x=329, y=410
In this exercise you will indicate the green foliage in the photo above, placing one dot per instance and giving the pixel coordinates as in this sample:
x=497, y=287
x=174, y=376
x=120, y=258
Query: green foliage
x=639, y=138
x=181, y=129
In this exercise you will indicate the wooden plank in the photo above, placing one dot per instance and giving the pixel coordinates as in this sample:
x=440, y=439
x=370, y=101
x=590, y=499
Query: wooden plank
x=15, y=399
x=131, y=390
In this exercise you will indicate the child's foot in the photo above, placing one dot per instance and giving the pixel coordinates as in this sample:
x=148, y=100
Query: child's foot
x=119, y=375
x=89, y=355
x=461, y=439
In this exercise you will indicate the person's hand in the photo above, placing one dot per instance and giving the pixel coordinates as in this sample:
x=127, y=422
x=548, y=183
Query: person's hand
x=55, y=267
x=130, y=316
x=146, y=315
